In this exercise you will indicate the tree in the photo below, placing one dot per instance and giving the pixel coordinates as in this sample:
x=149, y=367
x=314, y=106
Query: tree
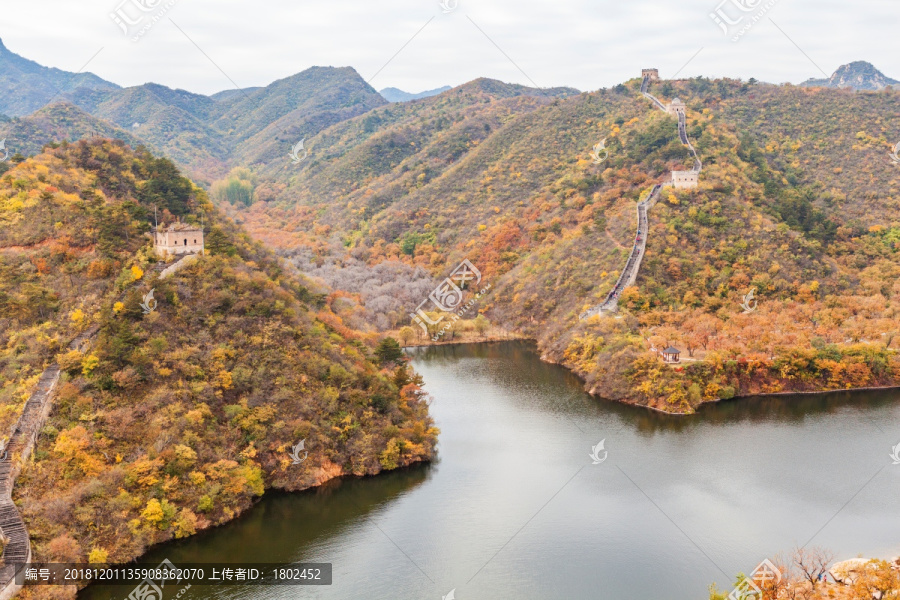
x=877, y=580
x=406, y=334
x=389, y=351
x=813, y=563
x=482, y=325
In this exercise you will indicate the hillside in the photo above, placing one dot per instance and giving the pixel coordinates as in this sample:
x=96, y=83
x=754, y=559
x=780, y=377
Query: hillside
x=34, y=85
x=506, y=181
x=836, y=143
x=797, y=203
x=173, y=421
x=54, y=123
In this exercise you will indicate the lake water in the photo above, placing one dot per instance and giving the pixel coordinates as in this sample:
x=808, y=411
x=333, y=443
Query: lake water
x=514, y=507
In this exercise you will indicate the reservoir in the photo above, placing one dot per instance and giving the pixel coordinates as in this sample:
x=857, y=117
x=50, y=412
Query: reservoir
x=523, y=503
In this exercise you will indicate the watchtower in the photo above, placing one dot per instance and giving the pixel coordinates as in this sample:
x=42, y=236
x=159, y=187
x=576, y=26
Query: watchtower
x=685, y=179
x=675, y=107
x=653, y=74
x=178, y=238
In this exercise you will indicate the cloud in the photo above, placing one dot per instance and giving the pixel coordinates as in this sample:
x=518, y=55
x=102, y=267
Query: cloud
x=580, y=43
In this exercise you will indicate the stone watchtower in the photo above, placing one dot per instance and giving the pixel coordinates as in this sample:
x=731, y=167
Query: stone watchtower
x=685, y=179
x=653, y=74
x=178, y=238
x=675, y=107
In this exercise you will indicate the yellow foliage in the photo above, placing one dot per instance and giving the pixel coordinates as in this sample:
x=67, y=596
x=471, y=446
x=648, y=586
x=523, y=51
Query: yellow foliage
x=153, y=514
x=89, y=363
x=136, y=272
x=98, y=555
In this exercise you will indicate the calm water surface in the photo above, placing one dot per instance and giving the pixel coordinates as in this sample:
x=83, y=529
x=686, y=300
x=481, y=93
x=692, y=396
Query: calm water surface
x=515, y=509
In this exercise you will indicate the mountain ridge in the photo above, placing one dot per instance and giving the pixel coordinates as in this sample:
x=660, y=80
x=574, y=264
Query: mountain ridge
x=36, y=85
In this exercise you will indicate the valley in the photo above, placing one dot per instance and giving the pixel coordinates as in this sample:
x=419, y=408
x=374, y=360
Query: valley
x=689, y=250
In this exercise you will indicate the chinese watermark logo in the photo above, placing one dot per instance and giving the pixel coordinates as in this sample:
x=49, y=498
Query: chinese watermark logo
x=741, y=15
x=149, y=590
x=295, y=152
x=765, y=574
x=5, y=151
x=749, y=304
x=450, y=596
x=136, y=17
x=149, y=304
x=449, y=6
x=896, y=454
x=895, y=155
x=448, y=298
x=595, y=153
x=295, y=452
x=596, y=450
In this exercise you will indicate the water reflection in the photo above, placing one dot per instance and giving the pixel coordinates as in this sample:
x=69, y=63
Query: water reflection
x=514, y=508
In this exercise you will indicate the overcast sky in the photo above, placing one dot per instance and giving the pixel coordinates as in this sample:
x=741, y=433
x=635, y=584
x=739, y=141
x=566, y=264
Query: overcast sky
x=585, y=44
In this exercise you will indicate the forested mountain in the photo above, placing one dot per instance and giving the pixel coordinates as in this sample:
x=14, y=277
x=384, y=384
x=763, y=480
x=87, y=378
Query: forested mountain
x=797, y=202
x=506, y=180
x=173, y=420
x=30, y=86
x=55, y=122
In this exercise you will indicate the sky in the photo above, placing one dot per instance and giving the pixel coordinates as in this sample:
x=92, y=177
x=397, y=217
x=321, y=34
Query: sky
x=205, y=46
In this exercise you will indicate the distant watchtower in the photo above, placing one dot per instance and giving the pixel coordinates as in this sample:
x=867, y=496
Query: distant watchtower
x=178, y=238
x=675, y=107
x=653, y=74
x=685, y=179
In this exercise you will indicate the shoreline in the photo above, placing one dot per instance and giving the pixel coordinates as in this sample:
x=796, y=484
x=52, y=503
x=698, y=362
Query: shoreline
x=544, y=358
x=269, y=492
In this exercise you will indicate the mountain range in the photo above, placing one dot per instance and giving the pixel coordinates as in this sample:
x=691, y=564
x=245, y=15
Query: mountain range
x=798, y=201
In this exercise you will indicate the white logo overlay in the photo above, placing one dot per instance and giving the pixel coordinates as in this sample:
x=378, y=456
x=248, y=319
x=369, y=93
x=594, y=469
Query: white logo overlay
x=749, y=588
x=136, y=17
x=5, y=151
x=896, y=454
x=596, y=450
x=736, y=17
x=595, y=153
x=450, y=596
x=448, y=298
x=449, y=6
x=149, y=304
x=295, y=152
x=295, y=452
x=749, y=304
x=895, y=155
x=149, y=590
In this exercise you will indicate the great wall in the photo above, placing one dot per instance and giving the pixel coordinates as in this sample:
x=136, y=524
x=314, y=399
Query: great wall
x=680, y=179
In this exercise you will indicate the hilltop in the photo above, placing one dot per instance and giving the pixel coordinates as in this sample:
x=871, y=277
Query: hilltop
x=174, y=420
x=858, y=75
